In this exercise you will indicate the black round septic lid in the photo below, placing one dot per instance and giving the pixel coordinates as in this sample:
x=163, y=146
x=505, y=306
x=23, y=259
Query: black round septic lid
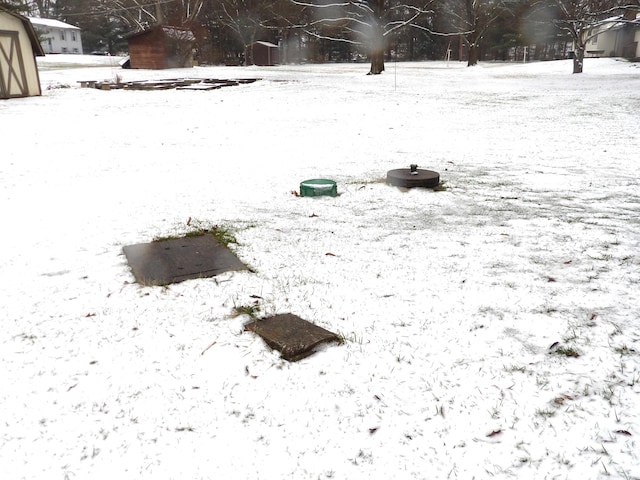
x=413, y=177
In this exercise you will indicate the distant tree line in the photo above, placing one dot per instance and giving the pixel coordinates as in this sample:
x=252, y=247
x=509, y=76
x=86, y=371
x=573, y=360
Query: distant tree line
x=348, y=30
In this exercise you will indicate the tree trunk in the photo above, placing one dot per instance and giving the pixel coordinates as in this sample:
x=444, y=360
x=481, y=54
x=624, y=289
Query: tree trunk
x=578, y=58
x=473, y=55
x=377, y=41
x=159, y=14
x=377, y=62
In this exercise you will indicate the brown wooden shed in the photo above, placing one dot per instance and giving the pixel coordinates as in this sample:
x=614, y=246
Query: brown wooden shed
x=19, y=47
x=265, y=54
x=162, y=47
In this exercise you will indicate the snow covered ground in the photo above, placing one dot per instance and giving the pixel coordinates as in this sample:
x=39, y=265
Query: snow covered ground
x=492, y=329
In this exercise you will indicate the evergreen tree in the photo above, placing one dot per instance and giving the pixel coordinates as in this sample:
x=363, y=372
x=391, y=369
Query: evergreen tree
x=103, y=30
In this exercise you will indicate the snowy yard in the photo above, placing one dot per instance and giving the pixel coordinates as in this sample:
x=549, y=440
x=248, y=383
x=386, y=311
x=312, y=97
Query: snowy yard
x=491, y=330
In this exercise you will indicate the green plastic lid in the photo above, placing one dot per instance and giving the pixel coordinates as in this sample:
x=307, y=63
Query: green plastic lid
x=317, y=187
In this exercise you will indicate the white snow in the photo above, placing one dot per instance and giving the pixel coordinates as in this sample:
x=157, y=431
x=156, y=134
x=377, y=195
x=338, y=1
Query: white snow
x=449, y=302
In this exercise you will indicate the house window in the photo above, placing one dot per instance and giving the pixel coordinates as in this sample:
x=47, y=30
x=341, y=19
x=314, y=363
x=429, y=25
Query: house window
x=61, y=35
x=64, y=49
x=73, y=36
x=594, y=40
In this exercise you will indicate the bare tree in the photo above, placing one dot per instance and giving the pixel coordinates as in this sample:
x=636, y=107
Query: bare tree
x=135, y=14
x=362, y=22
x=139, y=14
x=39, y=8
x=581, y=19
x=470, y=20
x=43, y=7
x=245, y=18
x=191, y=9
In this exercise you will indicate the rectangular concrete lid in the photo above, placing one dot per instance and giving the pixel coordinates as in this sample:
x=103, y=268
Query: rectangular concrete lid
x=292, y=336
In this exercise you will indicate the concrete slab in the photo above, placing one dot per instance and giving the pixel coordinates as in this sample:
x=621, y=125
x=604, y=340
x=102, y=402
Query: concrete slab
x=292, y=336
x=179, y=259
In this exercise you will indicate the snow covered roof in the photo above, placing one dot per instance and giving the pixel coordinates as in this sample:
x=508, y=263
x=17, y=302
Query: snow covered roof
x=175, y=33
x=267, y=44
x=179, y=33
x=49, y=22
x=618, y=22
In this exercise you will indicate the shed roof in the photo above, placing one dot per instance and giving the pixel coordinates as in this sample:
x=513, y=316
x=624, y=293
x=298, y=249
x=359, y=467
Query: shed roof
x=175, y=33
x=31, y=33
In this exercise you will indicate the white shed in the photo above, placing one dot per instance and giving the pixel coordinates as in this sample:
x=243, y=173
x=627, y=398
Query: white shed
x=57, y=36
x=19, y=47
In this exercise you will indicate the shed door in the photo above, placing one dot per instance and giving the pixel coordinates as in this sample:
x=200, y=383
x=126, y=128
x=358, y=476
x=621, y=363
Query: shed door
x=13, y=80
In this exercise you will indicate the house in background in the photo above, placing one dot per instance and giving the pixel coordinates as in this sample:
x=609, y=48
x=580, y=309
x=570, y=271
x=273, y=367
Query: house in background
x=160, y=47
x=264, y=54
x=57, y=37
x=617, y=37
x=19, y=47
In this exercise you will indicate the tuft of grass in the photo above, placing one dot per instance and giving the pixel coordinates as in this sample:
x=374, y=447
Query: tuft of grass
x=566, y=352
x=546, y=413
x=616, y=330
x=542, y=382
x=571, y=337
x=252, y=310
x=494, y=413
x=27, y=337
x=609, y=394
x=185, y=429
x=624, y=350
x=350, y=337
x=515, y=368
x=197, y=228
x=441, y=187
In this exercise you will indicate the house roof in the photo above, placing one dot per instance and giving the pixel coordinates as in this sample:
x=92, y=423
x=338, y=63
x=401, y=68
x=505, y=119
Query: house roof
x=618, y=22
x=31, y=33
x=49, y=22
